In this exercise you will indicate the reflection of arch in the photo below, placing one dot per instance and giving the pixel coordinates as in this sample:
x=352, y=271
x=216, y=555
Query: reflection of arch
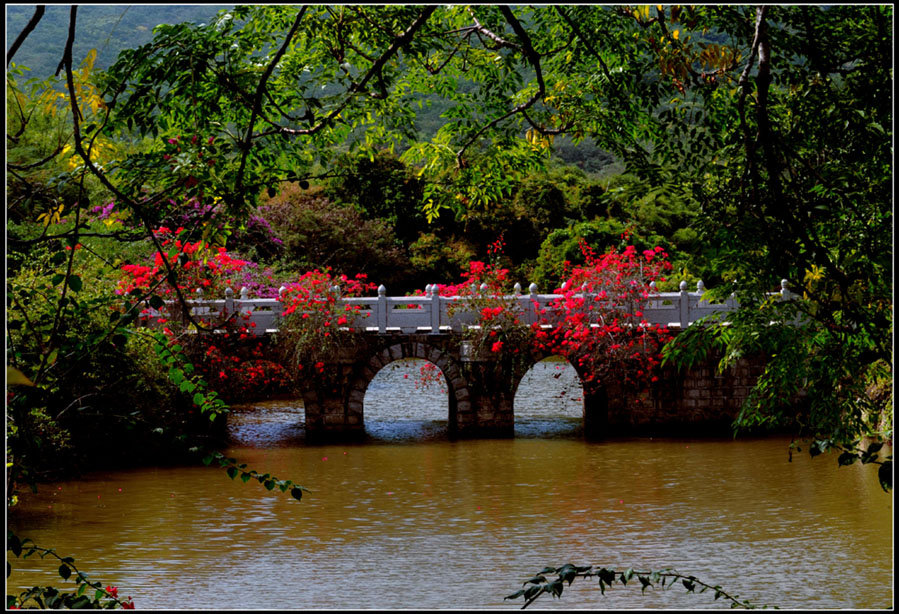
x=596, y=405
x=457, y=388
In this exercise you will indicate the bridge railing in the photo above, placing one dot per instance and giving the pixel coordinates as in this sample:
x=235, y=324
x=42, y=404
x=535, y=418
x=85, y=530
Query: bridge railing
x=433, y=313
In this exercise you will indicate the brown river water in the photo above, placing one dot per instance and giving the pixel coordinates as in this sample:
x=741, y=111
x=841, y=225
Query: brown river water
x=409, y=519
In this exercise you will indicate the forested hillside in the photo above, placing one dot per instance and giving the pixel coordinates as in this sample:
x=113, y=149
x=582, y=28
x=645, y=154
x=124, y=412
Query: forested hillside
x=106, y=28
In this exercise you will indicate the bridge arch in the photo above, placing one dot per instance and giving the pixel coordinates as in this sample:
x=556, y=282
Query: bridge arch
x=459, y=395
x=595, y=398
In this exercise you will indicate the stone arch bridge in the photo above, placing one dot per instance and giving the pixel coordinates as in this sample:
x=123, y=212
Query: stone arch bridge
x=481, y=390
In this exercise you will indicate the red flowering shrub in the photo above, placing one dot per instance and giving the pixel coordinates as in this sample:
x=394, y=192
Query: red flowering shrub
x=598, y=323
x=315, y=322
x=198, y=265
x=233, y=360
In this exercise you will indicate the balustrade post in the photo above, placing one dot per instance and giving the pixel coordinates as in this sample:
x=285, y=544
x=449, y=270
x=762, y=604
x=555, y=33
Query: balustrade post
x=533, y=315
x=245, y=295
x=684, y=305
x=435, y=309
x=229, y=302
x=382, y=309
x=276, y=321
x=785, y=293
x=198, y=311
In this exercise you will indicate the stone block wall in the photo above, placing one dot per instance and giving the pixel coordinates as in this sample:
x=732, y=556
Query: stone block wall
x=699, y=401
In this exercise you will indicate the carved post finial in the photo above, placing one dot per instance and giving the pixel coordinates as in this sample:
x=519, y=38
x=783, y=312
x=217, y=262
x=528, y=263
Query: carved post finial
x=683, y=286
x=700, y=286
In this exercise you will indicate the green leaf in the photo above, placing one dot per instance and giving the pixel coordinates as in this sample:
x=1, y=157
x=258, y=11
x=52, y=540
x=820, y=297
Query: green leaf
x=65, y=571
x=16, y=377
x=555, y=587
x=296, y=493
x=885, y=474
x=847, y=458
x=874, y=448
x=80, y=603
x=75, y=283
x=607, y=576
x=535, y=580
x=156, y=302
x=232, y=472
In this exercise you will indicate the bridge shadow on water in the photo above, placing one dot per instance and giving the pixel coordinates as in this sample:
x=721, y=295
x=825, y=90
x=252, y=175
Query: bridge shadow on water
x=407, y=402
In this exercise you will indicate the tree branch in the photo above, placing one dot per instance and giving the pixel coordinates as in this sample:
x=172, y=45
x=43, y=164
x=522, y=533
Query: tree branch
x=32, y=23
x=246, y=144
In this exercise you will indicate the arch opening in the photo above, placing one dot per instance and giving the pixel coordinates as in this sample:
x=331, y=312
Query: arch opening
x=549, y=400
x=407, y=399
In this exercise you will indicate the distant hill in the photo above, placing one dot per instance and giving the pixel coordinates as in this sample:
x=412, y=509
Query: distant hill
x=112, y=28
x=106, y=28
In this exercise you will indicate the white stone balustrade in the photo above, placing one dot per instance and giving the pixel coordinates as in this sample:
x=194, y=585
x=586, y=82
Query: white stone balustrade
x=433, y=313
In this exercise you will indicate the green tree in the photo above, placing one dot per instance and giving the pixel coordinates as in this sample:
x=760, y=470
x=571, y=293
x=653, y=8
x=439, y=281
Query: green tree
x=381, y=187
